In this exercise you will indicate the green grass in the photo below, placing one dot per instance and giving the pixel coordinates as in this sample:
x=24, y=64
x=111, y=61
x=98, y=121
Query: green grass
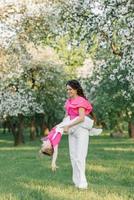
x=26, y=176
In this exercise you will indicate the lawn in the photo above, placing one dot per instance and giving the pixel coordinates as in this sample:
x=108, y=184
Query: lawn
x=26, y=176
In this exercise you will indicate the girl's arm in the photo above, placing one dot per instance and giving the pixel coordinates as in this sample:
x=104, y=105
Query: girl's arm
x=54, y=158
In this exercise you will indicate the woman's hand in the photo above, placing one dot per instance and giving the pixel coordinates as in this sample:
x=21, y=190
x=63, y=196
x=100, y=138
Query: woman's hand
x=66, y=129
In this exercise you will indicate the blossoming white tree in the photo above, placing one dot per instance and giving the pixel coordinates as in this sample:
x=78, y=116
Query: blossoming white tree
x=27, y=87
x=106, y=28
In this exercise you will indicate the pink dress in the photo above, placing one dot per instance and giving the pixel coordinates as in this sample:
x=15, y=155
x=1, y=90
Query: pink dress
x=53, y=137
x=72, y=106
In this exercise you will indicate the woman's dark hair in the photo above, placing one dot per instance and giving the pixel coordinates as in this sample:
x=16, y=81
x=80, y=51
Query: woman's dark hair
x=76, y=86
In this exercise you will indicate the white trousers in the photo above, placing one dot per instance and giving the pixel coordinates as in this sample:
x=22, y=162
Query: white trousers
x=78, y=148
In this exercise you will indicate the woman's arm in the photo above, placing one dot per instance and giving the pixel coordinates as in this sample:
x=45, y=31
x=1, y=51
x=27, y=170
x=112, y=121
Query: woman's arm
x=79, y=119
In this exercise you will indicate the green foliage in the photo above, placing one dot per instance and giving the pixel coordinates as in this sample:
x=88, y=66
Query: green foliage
x=72, y=56
x=103, y=29
x=49, y=86
x=39, y=89
x=110, y=103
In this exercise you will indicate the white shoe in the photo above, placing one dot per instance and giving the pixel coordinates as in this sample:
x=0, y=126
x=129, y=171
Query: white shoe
x=81, y=187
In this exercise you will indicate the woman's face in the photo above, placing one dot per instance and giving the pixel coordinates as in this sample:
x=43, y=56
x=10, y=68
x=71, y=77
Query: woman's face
x=71, y=92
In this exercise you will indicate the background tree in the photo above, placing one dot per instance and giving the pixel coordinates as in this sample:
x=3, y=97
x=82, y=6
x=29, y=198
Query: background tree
x=107, y=29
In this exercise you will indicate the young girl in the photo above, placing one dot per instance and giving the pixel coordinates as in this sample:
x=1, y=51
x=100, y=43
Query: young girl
x=51, y=142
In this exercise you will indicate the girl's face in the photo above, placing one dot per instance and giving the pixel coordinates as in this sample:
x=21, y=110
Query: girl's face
x=72, y=93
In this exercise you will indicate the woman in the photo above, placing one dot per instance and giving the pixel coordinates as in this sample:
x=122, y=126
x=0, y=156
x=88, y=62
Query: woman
x=77, y=106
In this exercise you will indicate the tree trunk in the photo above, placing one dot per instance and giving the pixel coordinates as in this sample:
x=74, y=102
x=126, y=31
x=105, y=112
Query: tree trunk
x=131, y=129
x=4, y=126
x=9, y=125
x=33, y=129
x=37, y=131
x=42, y=124
x=17, y=130
x=14, y=130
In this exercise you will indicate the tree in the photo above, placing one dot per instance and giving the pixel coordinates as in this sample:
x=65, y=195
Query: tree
x=107, y=29
x=28, y=88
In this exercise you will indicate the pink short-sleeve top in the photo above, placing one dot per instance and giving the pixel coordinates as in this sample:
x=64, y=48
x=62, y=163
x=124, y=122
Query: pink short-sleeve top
x=54, y=137
x=72, y=106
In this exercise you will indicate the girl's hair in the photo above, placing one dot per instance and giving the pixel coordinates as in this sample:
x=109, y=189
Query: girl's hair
x=48, y=151
x=76, y=86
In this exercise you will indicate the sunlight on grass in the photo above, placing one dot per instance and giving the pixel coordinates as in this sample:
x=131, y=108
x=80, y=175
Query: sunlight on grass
x=98, y=168
x=113, y=197
x=119, y=149
x=70, y=193
x=26, y=176
x=60, y=192
x=6, y=141
x=8, y=197
x=17, y=148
